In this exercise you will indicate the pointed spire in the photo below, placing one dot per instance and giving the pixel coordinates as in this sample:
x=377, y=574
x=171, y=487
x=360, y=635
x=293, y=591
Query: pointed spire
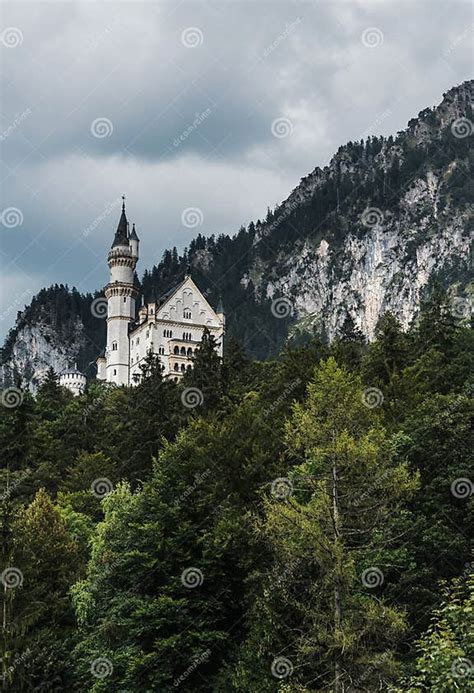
x=220, y=306
x=121, y=235
x=133, y=235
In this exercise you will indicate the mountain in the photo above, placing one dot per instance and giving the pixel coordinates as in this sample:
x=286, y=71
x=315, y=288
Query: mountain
x=371, y=232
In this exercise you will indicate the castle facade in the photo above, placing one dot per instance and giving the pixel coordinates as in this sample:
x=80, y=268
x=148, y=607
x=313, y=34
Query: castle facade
x=171, y=327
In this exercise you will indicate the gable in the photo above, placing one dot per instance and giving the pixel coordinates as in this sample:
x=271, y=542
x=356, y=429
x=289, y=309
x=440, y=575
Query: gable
x=188, y=303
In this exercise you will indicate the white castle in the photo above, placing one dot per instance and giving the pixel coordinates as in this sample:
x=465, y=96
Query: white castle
x=171, y=327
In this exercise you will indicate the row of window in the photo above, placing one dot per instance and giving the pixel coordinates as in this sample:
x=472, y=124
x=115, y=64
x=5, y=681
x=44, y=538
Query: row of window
x=182, y=368
x=183, y=351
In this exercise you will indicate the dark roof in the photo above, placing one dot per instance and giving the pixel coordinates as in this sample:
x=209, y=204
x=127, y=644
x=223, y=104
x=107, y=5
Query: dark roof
x=133, y=235
x=121, y=235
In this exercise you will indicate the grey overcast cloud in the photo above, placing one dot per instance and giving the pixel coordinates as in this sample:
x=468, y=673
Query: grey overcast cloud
x=220, y=106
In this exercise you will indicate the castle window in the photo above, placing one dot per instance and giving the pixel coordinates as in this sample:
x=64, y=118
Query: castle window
x=161, y=350
x=176, y=350
x=183, y=367
x=183, y=351
x=187, y=314
x=125, y=299
x=138, y=341
x=188, y=367
x=115, y=371
x=114, y=346
x=190, y=352
x=176, y=367
x=132, y=342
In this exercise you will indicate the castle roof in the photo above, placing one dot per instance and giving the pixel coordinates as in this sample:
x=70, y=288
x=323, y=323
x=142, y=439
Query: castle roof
x=133, y=235
x=121, y=235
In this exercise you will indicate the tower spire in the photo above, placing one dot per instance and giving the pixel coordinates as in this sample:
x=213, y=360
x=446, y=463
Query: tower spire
x=121, y=235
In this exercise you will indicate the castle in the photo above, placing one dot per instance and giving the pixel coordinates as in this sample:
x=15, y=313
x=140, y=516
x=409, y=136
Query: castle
x=171, y=326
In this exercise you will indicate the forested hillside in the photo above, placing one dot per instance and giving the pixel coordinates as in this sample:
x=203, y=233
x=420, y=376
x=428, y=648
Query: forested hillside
x=299, y=524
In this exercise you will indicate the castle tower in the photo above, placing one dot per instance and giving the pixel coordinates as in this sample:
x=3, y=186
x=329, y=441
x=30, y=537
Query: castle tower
x=121, y=294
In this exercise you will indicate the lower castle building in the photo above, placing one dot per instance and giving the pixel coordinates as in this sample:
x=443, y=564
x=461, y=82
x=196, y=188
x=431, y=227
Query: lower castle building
x=171, y=327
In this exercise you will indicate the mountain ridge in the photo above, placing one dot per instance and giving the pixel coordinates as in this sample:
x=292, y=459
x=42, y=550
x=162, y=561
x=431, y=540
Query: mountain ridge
x=370, y=232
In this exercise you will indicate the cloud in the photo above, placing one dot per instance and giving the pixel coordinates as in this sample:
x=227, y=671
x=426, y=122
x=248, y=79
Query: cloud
x=182, y=104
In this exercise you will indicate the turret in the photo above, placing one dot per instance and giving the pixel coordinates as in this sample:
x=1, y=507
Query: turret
x=134, y=242
x=121, y=294
x=220, y=312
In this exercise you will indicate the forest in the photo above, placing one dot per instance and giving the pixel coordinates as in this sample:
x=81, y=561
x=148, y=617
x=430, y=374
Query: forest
x=297, y=524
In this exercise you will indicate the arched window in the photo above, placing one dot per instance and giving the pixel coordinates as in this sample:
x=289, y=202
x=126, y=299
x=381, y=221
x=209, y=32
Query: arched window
x=114, y=346
x=176, y=367
x=183, y=367
x=190, y=352
x=183, y=351
x=161, y=350
x=187, y=314
x=176, y=350
x=188, y=367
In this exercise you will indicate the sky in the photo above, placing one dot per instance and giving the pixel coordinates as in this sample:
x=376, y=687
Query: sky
x=201, y=113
